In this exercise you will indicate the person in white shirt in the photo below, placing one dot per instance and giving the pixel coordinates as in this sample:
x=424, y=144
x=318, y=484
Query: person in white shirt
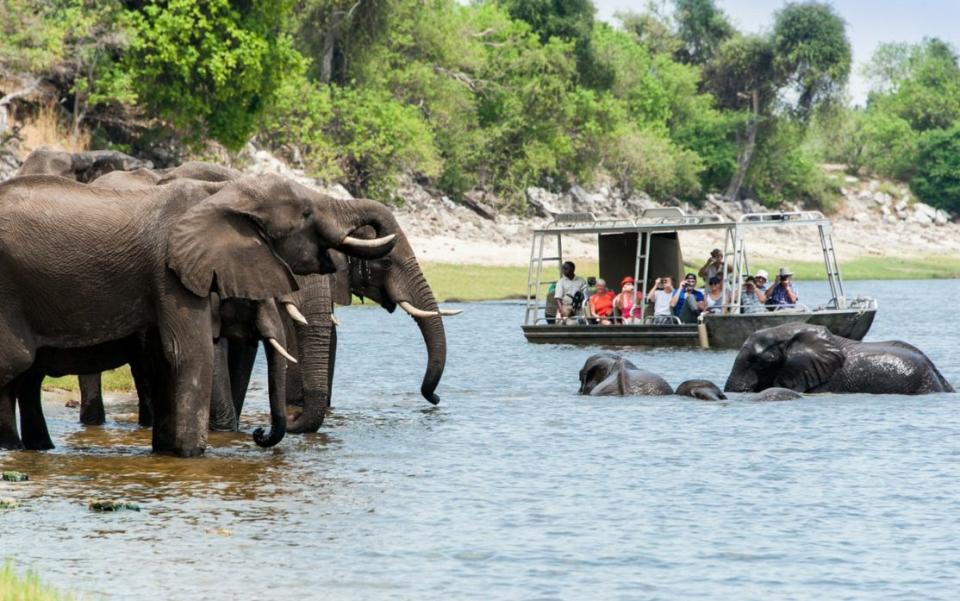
x=570, y=293
x=660, y=295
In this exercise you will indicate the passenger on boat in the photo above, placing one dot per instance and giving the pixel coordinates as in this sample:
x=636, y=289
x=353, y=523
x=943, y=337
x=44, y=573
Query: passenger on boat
x=714, y=299
x=687, y=302
x=626, y=305
x=600, y=305
x=714, y=265
x=761, y=279
x=783, y=294
x=752, y=298
x=660, y=295
x=571, y=292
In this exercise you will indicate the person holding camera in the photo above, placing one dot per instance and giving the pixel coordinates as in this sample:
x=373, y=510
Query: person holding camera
x=688, y=302
x=752, y=298
x=783, y=294
x=570, y=293
x=714, y=266
x=660, y=295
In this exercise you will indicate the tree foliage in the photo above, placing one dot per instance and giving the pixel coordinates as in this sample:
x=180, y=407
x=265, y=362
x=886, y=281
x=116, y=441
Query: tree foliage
x=937, y=177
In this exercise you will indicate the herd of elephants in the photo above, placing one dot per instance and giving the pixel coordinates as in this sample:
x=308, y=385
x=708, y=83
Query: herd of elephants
x=181, y=273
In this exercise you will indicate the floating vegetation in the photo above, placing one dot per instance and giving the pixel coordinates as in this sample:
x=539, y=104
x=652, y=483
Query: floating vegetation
x=9, y=503
x=104, y=505
x=15, y=476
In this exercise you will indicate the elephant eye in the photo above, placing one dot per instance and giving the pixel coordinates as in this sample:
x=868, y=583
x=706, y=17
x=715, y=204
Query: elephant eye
x=306, y=214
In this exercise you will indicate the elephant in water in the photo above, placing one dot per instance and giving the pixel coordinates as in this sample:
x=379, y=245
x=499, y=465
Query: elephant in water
x=809, y=358
x=79, y=269
x=705, y=390
x=775, y=394
x=609, y=374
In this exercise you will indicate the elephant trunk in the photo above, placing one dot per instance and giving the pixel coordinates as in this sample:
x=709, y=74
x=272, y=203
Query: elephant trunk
x=410, y=285
x=277, y=376
x=353, y=215
x=317, y=348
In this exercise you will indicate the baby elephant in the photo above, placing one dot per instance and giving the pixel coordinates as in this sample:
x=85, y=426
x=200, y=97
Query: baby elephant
x=609, y=374
x=705, y=390
x=775, y=394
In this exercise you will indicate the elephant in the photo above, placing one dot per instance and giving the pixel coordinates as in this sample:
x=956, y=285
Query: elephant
x=105, y=269
x=392, y=281
x=775, y=394
x=79, y=166
x=609, y=374
x=809, y=358
x=705, y=390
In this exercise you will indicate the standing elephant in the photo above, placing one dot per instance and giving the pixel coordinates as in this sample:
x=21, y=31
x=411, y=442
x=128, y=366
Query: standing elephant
x=606, y=374
x=104, y=268
x=808, y=358
x=79, y=166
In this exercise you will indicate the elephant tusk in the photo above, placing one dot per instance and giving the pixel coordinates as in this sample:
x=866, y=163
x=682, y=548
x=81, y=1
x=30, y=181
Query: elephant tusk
x=295, y=314
x=350, y=241
x=450, y=312
x=279, y=348
x=415, y=312
x=334, y=320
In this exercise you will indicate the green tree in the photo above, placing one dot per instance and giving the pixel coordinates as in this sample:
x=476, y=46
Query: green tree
x=211, y=67
x=937, y=177
x=701, y=27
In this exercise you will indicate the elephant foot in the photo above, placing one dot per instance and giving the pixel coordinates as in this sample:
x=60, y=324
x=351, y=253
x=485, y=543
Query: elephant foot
x=11, y=443
x=189, y=452
x=40, y=443
x=93, y=414
x=145, y=419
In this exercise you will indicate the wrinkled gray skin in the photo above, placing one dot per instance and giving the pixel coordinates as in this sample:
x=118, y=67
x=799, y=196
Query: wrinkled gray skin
x=775, y=394
x=705, y=390
x=109, y=266
x=609, y=374
x=808, y=358
x=79, y=166
x=387, y=281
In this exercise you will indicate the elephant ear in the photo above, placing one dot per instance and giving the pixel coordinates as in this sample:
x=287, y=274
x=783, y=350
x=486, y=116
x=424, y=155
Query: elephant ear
x=812, y=357
x=221, y=244
x=340, y=279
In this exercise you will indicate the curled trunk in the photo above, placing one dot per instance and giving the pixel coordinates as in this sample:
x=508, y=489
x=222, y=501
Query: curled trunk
x=317, y=347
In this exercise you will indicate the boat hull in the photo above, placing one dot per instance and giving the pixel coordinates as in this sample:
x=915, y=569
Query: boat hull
x=723, y=331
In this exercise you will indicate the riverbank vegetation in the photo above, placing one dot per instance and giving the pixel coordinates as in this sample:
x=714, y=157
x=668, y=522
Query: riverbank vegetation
x=496, y=95
x=27, y=586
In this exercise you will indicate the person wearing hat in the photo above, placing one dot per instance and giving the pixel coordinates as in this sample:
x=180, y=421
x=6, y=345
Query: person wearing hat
x=626, y=305
x=600, y=305
x=783, y=294
x=761, y=278
x=714, y=266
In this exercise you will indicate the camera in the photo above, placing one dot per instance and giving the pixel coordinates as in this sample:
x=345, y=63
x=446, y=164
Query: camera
x=591, y=281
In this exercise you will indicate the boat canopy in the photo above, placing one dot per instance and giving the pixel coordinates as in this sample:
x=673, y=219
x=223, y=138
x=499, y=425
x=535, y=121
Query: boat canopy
x=648, y=247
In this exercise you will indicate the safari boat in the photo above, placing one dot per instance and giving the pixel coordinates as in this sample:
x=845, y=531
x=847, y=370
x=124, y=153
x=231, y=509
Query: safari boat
x=648, y=247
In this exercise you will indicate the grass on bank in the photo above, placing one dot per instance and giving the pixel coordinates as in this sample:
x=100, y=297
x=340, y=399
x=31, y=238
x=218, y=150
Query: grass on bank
x=27, y=587
x=495, y=282
x=115, y=380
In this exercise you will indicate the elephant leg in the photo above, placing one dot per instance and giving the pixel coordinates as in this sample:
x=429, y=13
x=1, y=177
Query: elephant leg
x=33, y=425
x=182, y=417
x=240, y=360
x=9, y=437
x=91, y=400
x=141, y=381
x=223, y=415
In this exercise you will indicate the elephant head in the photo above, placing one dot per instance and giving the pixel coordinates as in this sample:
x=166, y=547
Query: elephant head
x=598, y=368
x=797, y=356
x=249, y=238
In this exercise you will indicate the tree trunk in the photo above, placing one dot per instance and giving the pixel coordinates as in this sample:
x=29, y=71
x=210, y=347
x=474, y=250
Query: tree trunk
x=746, y=152
x=329, y=43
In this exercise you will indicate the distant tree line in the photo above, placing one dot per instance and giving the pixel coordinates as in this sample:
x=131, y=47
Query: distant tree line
x=502, y=94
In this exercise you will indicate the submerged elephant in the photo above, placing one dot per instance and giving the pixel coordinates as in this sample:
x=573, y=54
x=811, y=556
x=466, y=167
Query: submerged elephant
x=705, y=390
x=105, y=269
x=609, y=374
x=79, y=166
x=808, y=358
x=775, y=394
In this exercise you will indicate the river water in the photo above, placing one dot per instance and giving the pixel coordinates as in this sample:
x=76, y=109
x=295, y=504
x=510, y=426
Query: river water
x=515, y=487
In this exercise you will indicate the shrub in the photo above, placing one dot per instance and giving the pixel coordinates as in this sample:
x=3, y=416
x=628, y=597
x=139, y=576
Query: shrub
x=937, y=177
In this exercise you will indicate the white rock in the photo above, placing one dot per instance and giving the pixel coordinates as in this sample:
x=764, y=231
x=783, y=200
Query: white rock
x=861, y=217
x=942, y=217
x=338, y=191
x=900, y=206
x=925, y=209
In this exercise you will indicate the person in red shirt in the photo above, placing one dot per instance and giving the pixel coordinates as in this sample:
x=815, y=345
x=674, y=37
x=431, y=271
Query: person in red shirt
x=600, y=305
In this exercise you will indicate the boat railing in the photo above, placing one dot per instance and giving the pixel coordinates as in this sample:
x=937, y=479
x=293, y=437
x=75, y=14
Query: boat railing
x=781, y=216
x=862, y=303
x=736, y=309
